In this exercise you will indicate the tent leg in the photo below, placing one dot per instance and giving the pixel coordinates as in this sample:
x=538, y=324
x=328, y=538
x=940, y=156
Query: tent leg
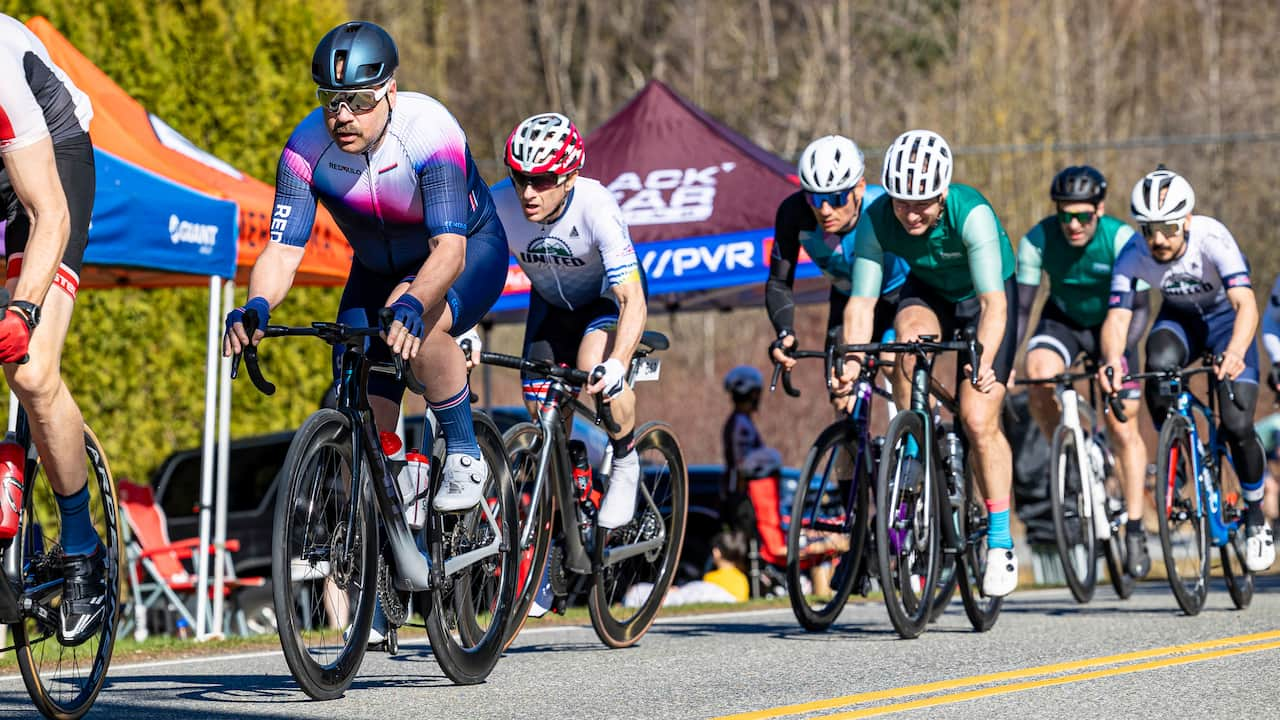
x=220, y=558
x=206, y=458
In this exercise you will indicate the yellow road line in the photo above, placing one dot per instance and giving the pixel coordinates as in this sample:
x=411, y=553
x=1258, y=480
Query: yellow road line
x=1020, y=674
x=1049, y=682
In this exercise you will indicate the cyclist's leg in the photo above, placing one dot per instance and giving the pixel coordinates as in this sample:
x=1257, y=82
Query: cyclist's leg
x=920, y=312
x=1172, y=343
x=1050, y=351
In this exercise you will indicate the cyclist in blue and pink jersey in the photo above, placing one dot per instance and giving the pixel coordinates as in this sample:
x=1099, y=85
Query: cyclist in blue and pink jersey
x=1208, y=306
x=587, y=305
x=395, y=171
x=820, y=219
x=46, y=200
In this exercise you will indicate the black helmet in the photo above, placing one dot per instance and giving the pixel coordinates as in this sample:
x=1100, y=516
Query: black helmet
x=367, y=52
x=1079, y=183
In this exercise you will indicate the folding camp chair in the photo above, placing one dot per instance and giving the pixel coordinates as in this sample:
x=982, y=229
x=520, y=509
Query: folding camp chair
x=159, y=577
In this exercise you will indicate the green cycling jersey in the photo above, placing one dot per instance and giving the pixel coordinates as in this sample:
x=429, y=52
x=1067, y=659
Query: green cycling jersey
x=967, y=252
x=1079, y=277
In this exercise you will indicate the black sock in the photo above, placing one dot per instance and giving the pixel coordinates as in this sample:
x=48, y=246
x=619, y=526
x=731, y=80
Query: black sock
x=1253, y=514
x=1133, y=526
x=624, y=444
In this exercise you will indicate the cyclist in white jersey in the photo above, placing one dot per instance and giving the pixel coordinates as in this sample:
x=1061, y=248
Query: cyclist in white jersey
x=1209, y=305
x=46, y=200
x=587, y=302
x=1271, y=335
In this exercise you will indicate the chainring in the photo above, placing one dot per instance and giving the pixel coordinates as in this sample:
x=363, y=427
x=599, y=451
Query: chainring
x=395, y=602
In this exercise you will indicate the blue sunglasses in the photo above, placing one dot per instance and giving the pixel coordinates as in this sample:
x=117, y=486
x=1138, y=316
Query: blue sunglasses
x=834, y=199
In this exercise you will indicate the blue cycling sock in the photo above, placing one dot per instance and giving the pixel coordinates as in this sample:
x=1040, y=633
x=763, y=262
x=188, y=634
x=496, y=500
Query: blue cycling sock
x=454, y=415
x=998, y=529
x=913, y=449
x=78, y=535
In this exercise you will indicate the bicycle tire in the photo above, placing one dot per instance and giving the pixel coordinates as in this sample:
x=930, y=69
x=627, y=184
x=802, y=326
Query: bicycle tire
x=1121, y=581
x=469, y=613
x=50, y=671
x=1238, y=578
x=948, y=583
x=1180, y=514
x=311, y=529
x=971, y=564
x=1072, y=515
x=899, y=545
x=666, y=508
x=849, y=526
x=519, y=441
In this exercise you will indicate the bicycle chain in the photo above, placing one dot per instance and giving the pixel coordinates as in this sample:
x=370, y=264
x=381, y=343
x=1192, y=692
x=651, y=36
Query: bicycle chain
x=395, y=602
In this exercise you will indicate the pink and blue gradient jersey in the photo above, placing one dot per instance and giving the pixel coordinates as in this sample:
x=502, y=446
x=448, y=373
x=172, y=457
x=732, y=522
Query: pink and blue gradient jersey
x=420, y=182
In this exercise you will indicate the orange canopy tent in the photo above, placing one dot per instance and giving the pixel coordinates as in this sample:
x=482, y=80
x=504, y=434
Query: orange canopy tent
x=122, y=127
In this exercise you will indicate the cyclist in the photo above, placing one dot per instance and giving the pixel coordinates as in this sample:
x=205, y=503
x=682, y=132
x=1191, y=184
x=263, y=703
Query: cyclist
x=821, y=219
x=1271, y=336
x=962, y=276
x=1076, y=248
x=1208, y=305
x=740, y=435
x=587, y=303
x=395, y=170
x=47, y=187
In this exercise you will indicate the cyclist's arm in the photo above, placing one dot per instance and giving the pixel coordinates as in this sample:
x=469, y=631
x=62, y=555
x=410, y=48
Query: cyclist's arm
x=868, y=275
x=445, y=211
x=1141, y=311
x=1271, y=324
x=34, y=176
x=1030, y=271
x=292, y=216
x=1246, y=324
x=632, y=314
x=779, y=301
x=981, y=237
x=622, y=273
x=1115, y=328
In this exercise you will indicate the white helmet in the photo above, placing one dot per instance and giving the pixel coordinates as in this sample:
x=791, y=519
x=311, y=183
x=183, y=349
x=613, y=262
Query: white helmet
x=743, y=379
x=1147, y=204
x=829, y=164
x=546, y=143
x=917, y=166
x=761, y=463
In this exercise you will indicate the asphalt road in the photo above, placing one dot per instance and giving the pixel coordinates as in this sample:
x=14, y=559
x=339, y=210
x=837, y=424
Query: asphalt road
x=1046, y=657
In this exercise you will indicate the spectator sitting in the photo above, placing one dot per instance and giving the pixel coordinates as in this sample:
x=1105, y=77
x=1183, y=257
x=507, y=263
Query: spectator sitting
x=729, y=554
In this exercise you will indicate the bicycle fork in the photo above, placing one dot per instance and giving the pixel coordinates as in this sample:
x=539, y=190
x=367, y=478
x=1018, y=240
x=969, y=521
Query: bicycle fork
x=1090, y=480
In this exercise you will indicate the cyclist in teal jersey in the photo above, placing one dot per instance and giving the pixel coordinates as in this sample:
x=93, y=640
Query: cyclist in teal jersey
x=962, y=277
x=1076, y=248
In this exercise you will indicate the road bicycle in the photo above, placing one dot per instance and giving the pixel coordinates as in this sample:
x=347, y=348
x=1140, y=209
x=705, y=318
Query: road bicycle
x=928, y=516
x=830, y=512
x=63, y=681
x=1192, y=509
x=341, y=535
x=1085, y=495
x=625, y=572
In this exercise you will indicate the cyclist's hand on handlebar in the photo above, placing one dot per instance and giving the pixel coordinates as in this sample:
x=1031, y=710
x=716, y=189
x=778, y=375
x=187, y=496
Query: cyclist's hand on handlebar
x=404, y=337
x=613, y=380
x=470, y=341
x=1228, y=365
x=778, y=351
x=235, y=339
x=987, y=380
x=1110, y=385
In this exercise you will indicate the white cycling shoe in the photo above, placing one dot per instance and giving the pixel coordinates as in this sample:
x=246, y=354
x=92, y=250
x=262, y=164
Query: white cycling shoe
x=619, y=504
x=1259, y=548
x=1001, y=576
x=462, y=483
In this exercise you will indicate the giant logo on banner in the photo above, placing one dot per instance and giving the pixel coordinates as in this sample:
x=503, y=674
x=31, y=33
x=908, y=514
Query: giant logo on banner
x=670, y=195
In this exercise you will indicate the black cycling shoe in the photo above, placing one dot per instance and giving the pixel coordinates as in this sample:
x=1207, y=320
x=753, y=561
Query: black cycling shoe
x=1137, y=560
x=84, y=596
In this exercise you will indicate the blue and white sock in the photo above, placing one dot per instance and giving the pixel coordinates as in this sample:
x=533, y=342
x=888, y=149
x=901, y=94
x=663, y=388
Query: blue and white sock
x=454, y=415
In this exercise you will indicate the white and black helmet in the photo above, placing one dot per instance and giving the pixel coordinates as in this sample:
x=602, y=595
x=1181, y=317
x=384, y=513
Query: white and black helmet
x=1162, y=196
x=830, y=164
x=743, y=380
x=917, y=166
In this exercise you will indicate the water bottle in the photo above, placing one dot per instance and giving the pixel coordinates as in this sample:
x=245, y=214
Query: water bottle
x=405, y=484
x=414, y=482
x=955, y=465
x=12, y=461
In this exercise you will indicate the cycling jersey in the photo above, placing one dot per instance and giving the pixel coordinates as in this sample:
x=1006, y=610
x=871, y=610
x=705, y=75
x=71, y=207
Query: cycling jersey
x=1196, y=282
x=418, y=183
x=1271, y=323
x=1079, y=277
x=576, y=258
x=37, y=100
x=967, y=252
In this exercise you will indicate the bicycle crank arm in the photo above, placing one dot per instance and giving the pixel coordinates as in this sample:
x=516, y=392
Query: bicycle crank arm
x=466, y=559
x=618, y=554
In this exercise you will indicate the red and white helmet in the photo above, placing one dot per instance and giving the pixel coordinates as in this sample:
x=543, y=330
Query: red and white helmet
x=546, y=143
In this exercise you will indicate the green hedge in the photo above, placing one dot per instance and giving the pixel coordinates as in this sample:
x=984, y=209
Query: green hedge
x=235, y=79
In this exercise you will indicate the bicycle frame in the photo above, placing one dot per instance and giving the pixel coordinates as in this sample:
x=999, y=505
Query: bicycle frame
x=12, y=603
x=1187, y=405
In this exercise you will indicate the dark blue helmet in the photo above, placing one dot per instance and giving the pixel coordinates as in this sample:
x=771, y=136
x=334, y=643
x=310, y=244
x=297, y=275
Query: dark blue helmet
x=1079, y=183
x=366, y=52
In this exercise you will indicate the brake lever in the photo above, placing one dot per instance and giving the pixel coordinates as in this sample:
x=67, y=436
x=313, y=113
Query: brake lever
x=1113, y=398
x=250, y=354
x=975, y=353
x=602, y=410
x=404, y=373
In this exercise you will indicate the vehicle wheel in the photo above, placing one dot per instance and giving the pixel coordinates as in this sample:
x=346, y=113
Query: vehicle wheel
x=828, y=519
x=324, y=562
x=63, y=682
x=661, y=514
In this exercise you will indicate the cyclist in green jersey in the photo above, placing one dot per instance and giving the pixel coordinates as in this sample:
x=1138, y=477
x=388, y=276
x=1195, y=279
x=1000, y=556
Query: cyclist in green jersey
x=962, y=277
x=1077, y=247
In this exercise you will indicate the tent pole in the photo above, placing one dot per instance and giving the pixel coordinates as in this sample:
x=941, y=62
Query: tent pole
x=220, y=558
x=206, y=461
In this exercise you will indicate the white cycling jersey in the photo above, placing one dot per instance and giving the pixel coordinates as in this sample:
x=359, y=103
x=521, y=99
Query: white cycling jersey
x=37, y=100
x=1271, y=324
x=1197, y=281
x=576, y=258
